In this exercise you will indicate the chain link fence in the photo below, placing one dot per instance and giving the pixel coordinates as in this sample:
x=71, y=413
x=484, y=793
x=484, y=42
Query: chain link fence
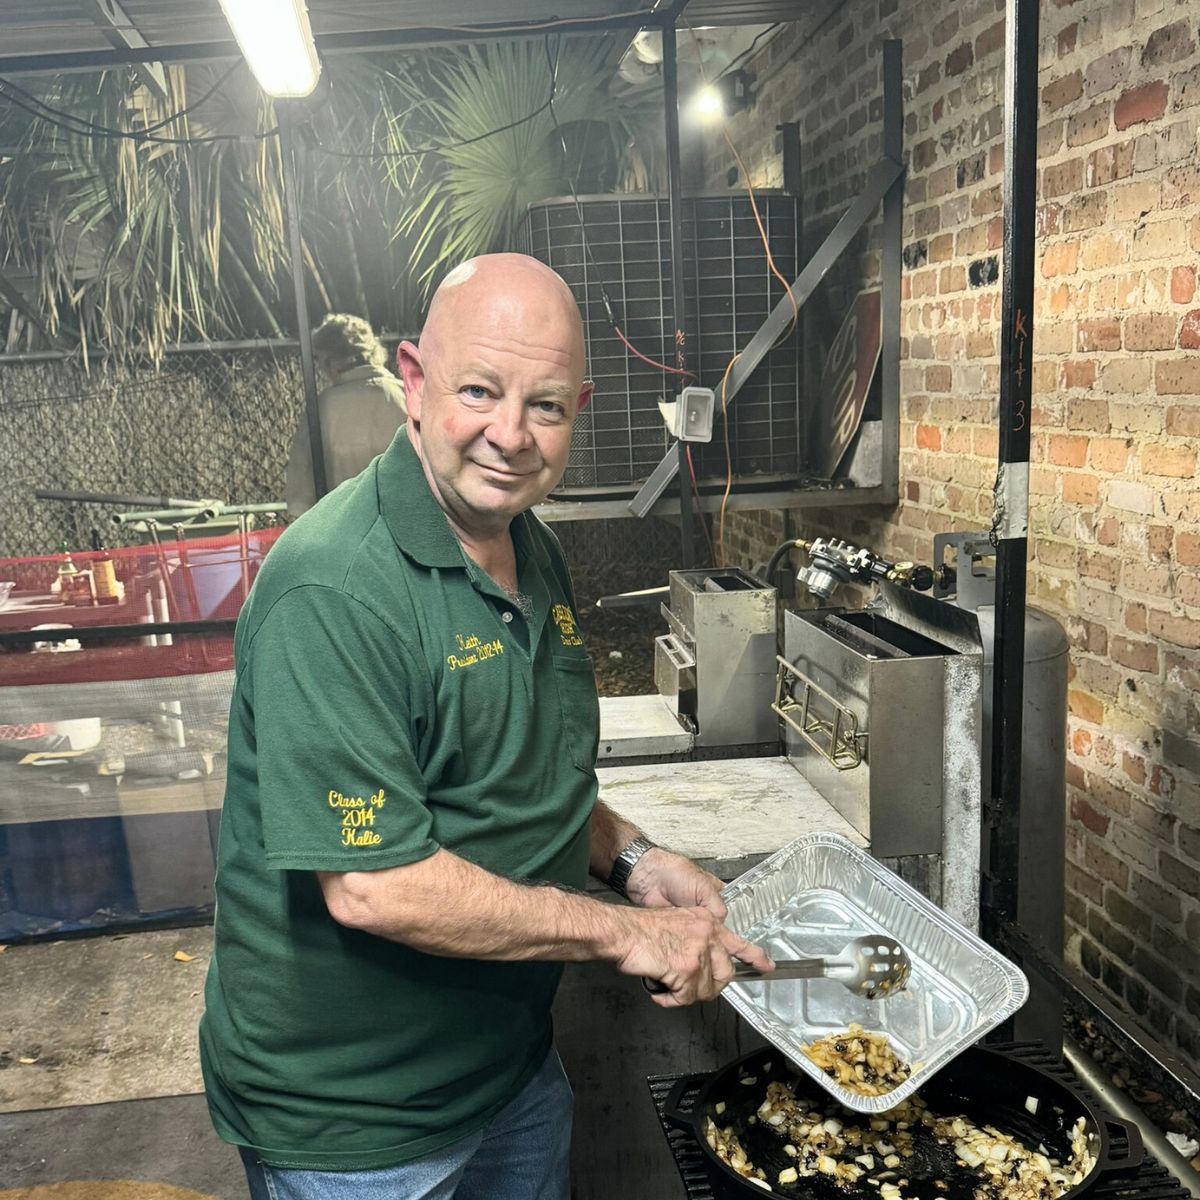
x=205, y=425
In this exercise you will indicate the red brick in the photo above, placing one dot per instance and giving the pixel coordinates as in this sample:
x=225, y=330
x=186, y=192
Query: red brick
x=1187, y=549
x=1109, y=164
x=1139, y=105
x=929, y=437
x=1137, y=656
x=1060, y=259
x=1082, y=374
x=959, y=59
x=1068, y=451
x=1183, y=284
x=1189, y=331
x=1178, y=462
x=1168, y=44
x=991, y=40
x=1183, y=631
x=1063, y=91
x=1081, y=744
x=1103, y=334
x=1085, y=707
x=1181, y=378
x=1088, y=817
x=1089, y=126
x=1134, y=767
x=1066, y=38
x=1150, y=331
x=1135, y=617
x=1105, y=567
x=1109, y=455
x=1062, y=178
x=1183, y=421
x=1080, y=489
x=1108, y=531
x=1106, y=72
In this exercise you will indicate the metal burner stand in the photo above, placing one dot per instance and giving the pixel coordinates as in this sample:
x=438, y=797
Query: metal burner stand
x=1150, y=1181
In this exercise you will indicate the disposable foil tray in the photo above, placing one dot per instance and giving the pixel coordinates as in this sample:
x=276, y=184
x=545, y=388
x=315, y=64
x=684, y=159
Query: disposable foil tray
x=808, y=900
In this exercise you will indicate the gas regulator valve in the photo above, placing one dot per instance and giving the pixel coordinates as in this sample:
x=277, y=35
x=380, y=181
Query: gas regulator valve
x=832, y=561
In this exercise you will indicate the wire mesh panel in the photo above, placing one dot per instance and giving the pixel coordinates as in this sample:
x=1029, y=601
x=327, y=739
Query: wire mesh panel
x=729, y=291
x=204, y=424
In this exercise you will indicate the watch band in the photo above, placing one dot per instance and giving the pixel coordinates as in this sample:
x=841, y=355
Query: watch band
x=624, y=863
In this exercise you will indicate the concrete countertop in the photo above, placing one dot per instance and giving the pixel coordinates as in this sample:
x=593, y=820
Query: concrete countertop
x=727, y=814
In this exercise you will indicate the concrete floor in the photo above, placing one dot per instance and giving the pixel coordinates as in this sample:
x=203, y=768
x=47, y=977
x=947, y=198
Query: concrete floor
x=112, y=1091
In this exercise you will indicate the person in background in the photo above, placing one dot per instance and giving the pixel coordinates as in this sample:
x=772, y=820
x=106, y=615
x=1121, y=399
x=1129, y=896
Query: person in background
x=360, y=410
x=411, y=807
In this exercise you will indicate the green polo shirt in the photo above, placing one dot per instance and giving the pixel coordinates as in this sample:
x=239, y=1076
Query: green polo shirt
x=390, y=699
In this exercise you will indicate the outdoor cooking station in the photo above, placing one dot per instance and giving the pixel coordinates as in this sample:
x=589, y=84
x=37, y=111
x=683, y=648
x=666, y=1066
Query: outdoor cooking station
x=707, y=771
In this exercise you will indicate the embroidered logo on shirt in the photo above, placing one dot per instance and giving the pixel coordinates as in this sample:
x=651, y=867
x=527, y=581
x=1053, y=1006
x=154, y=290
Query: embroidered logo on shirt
x=472, y=650
x=357, y=817
x=564, y=618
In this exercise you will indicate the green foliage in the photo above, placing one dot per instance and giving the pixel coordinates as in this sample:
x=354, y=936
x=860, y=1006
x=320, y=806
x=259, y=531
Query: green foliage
x=131, y=244
x=474, y=193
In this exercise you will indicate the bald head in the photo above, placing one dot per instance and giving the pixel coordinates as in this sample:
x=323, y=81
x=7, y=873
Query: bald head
x=502, y=294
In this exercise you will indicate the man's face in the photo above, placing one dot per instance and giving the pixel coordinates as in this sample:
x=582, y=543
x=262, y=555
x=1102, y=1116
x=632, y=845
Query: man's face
x=492, y=398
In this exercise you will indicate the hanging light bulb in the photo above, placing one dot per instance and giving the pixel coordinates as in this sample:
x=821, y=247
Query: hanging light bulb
x=277, y=42
x=707, y=103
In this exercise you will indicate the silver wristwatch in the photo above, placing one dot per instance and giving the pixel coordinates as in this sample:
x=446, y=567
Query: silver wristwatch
x=624, y=863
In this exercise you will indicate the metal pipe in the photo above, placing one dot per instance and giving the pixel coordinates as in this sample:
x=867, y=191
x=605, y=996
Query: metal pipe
x=1121, y=1106
x=105, y=498
x=159, y=514
x=675, y=223
x=1010, y=524
x=291, y=196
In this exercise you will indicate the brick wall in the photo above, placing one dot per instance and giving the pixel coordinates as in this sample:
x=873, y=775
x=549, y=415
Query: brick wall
x=1115, y=507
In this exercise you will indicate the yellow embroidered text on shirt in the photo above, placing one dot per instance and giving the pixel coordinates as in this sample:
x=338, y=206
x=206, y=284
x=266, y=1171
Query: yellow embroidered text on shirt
x=565, y=620
x=472, y=650
x=357, y=817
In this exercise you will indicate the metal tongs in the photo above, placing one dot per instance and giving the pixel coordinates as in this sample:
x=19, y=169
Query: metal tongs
x=872, y=966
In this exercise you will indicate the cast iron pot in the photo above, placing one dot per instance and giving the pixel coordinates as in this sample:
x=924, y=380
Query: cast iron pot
x=982, y=1085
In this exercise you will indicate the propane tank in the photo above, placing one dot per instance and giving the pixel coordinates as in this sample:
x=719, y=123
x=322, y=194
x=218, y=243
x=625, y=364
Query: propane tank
x=971, y=585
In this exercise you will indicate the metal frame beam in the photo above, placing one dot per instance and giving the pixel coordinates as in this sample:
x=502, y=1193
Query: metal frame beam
x=1010, y=524
x=121, y=31
x=326, y=43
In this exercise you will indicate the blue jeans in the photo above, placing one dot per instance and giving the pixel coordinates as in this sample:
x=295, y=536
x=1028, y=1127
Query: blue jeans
x=523, y=1153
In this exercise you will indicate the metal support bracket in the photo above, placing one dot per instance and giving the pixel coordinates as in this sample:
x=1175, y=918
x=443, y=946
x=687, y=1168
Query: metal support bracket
x=838, y=739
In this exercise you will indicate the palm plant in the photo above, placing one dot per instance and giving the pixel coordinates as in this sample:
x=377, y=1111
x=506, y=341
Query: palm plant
x=176, y=232
x=473, y=193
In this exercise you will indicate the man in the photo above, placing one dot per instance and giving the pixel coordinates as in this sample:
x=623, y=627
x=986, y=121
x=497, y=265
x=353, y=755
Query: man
x=412, y=801
x=360, y=410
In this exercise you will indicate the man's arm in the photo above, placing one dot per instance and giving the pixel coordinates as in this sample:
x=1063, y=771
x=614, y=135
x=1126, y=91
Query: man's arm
x=661, y=878
x=447, y=906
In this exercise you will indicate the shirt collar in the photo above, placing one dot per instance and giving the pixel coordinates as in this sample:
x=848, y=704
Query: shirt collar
x=416, y=521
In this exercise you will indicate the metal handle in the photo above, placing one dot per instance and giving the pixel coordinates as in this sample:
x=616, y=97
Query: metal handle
x=672, y=1111
x=1135, y=1151
x=676, y=651
x=841, y=739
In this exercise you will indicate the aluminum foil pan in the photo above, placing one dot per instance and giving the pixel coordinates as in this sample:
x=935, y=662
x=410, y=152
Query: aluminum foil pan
x=809, y=899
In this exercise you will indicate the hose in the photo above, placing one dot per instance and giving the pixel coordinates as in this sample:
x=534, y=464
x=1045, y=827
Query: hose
x=778, y=555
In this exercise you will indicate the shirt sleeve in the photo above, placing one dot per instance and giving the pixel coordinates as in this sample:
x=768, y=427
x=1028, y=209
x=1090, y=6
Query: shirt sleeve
x=340, y=714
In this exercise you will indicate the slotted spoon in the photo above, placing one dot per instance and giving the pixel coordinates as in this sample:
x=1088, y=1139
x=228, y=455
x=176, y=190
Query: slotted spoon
x=872, y=966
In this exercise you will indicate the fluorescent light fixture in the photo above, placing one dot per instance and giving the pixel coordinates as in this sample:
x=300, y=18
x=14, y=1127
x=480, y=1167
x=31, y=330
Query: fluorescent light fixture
x=707, y=103
x=277, y=42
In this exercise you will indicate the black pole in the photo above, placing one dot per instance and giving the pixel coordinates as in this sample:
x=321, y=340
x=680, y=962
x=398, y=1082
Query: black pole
x=291, y=201
x=675, y=218
x=1010, y=524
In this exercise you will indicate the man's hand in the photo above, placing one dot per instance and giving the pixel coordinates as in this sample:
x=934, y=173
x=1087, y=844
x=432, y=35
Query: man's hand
x=688, y=950
x=663, y=879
